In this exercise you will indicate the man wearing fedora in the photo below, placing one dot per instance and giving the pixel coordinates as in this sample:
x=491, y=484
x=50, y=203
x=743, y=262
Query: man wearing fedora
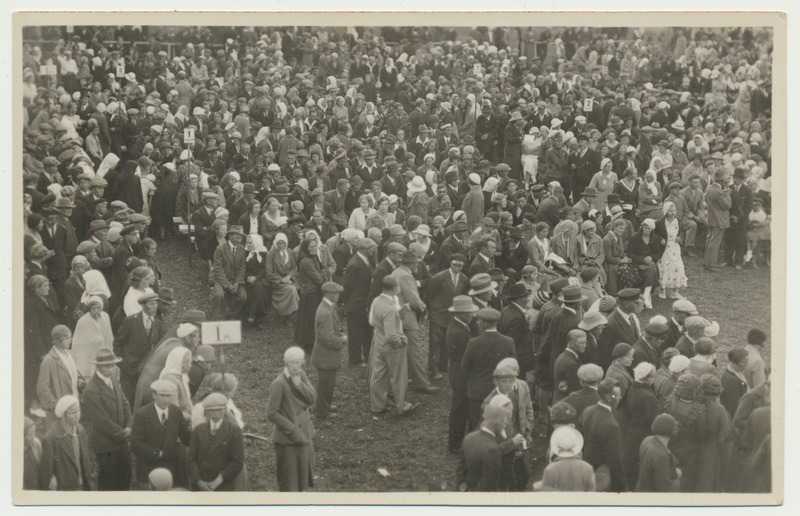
x=584, y=163
x=741, y=205
x=137, y=336
x=586, y=204
x=455, y=243
x=482, y=289
x=203, y=217
x=355, y=299
x=623, y=325
x=514, y=323
x=409, y=296
x=556, y=339
x=229, y=294
x=443, y=288
x=328, y=343
x=718, y=202
x=119, y=270
x=108, y=414
x=455, y=340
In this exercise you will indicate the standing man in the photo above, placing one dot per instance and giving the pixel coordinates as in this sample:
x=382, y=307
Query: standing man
x=119, y=270
x=658, y=468
x=555, y=340
x=409, y=296
x=623, y=325
x=602, y=438
x=229, y=293
x=456, y=338
x=718, y=201
x=137, y=336
x=395, y=251
x=54, y=237
x=513, y=323
x=565, y=369
x=649, y=346
x=455, y=243
x=480, y=467
x=681, y=310
x=389, y=360
x=482, y=355
x=158, y=433
x=109, y=414
x=756, y=371
x=442, y=289
x=694, y=216
x=741, y=205
x=216, y=449
x=355, y=297
x=327, y=353
x=203, y=217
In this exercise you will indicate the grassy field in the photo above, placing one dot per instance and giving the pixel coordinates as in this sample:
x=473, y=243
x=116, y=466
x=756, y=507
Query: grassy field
x=351, y=447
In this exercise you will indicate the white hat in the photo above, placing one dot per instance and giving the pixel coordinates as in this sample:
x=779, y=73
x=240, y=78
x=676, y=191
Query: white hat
x=679, y=363
x=566, y=442
x=474, y=178
x=198, y=111
x=294, y=353
x=64, y=403
x=186, y=329
x=416, y=185
x=643, y=370
x=184, y=154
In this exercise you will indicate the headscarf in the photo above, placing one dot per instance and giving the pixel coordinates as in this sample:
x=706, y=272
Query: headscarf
x=651, y=185
x=667, y=206
x=174, y=366
x=262, y=135
x=109, y=162
x=281, y=237
x=258, y=247
x=567, y=227
x=95, y=285
x=649, y=223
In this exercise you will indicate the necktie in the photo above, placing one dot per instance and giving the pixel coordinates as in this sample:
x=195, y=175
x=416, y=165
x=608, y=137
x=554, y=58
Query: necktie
x=164, y=418
x=110, y=384
x=147, y=323
x=632, y=319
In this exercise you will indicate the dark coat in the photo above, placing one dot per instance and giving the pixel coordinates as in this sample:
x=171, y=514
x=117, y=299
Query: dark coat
x=229, y=267
x=440, y=294
x=479, y=468
x=328, y=338
x=685, y=346
x=644, y=352
x=733, y=388
x=132, y=343
x=642, y=407
x=449, y=247
x=618, y=329
x=220, y=454
x=455, y=340
x=565, y=370
x=58, y=460
x=357, y=282
x=581, y=400
x=57, y=264
x=383, y=269
x=119, y=271
x=514, y=324
x=482, y=355
x=554, y=342
x=601, y=443
x=657, y=468
x=108, y=414
x=149, y=437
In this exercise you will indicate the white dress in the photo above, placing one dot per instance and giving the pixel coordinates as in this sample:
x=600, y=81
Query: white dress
x=670, y=266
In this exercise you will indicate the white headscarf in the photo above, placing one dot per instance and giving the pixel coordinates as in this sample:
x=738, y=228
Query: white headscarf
x=281, y=237
x=258, y=247
x=95, y=285
x=110, y=161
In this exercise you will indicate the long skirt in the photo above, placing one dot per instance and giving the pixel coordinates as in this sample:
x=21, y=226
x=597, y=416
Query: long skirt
x=284, y=298
x=304, y=325
x=295, y=466
x=258, y=297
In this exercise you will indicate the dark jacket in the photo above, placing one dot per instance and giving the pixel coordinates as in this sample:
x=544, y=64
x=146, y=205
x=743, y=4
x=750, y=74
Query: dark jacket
x=328, y=338
x=220, y=454
x=440, y=294
x=59, y=460
x=108, y=414
x=565, y=370
x=149, y=438
x=601, y=444
x=455, y=340
x=357, y=282
x=479, y=468
x=514, y=324
x=482, y=355
x=581, y=400
x=132, y=343
x=657, y=468
x=618, y=329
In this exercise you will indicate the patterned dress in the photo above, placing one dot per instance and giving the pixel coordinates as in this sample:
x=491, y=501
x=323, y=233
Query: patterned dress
x=670, y=266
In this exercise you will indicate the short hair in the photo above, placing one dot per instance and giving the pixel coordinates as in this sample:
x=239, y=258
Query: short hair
x=606, y=386
x=364, y=197
x=34, y=219
x=37, y=251
x=31, y=179
x=541, y=226
x=558, y=189
x=574, y=334
x=589, y=273
x=485, y=242
x=737, y=354
x=252, y=203
x=138, y=274
x=704, y=346
x=756, y=336
x=618, y=222
x=389, y=283
x=223, y=383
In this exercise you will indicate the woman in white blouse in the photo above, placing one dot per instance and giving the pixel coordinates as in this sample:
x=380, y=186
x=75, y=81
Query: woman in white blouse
x=358, y=219
x=141, y=279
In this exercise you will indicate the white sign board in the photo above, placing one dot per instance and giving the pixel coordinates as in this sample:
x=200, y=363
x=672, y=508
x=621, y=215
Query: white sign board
x=222, y=332
x=587, y=105
x=188, y=136
x=70, y=29
x=476, y=68
x=121, y=69
x=48, y=70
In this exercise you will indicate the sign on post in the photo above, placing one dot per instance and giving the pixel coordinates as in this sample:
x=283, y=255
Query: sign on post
x=476, y=69
x=222, y=332
x=49, y=69
x=121, y=69
x=188, y=136
x=587, y=105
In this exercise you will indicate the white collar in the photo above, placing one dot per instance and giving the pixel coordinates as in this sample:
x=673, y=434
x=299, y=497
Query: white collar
x=488, y=431
x=605, y=406
x=330, y=303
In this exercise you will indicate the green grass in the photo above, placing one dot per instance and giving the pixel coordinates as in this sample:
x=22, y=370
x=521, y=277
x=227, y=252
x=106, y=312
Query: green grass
x=413, y=448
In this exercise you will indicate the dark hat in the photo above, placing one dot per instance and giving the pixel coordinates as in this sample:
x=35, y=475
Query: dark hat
x=105, y=356
x=571, y=294
x=740, y=172
x=558, y=285
x=515, y=233
x=166, y=295
x=128, y=230
x=459, y=226
x=97, y=225
x=497, y=274
x=674, y=184
x=409, y=257
x=582, y=137
x=664, y=424
x=147, y=297
x=64, y=203
x=517, y=291
x=249, y=188
x=620, y=350
x=629, y=294
x=458, y=257
x=193, y=316
x=236, y=230
x=613, y=198
x=589, y=192
x=330, y=287
x=656, y=329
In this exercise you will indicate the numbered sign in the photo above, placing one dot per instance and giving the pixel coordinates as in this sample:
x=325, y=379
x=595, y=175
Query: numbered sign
x=121, y=69
x=188, y=136
x=222, y=332
x=476, y=68
x=51, y=70
x=587, y=105
x=70, y=29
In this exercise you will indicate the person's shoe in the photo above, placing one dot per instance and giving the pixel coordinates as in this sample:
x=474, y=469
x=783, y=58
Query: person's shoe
x=437, y=376
x=454, y=451
x=410, y=407
x=431, y=389
x=737, y=268
x=662, y=294
x=690, y=253
x=677, y=295
x=334, y=408
x=748, y=256
x=711, y=268
x=38, y=412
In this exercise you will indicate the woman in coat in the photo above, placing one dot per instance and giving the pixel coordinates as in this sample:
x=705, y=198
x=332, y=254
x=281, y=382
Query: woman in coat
x=74, y=287
x=32, y=457
x=622, y=356
x=644, y=250
x=271, y=221
x=563, y=242
x=614, y=253
x=65, y=464
x=310, y=277
x=42, y=314
x=589, y=249
x=176, y=370
x=129, y=187
x=162, y=207
x=280, y=269
x=290, y=397
x=641, y=407
x=650, y=197
x=256, y=280
x=690, y=415
x=58, y=374
x=92, y=332
x=715, y=446
x=323, y=252
x=251, y=221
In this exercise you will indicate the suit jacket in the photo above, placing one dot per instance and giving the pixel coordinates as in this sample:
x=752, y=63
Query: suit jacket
x=644, y=352
x=472, y=204
x=480, y=265
x=119, y=270
x=220, y=454
x=409, y=293
x=57, y=264
x=440, y=294
x=388, y=327
x=741, y=204
x=456, y=339
x=59, y=460
x=108, y=413
x=694, y=201
x=357, y=282
x=149, y=438
x=482, y=355
x=229, y=266
x=601, y=443
x=565, y=369
x=555, y=342
x=202, y=221
x=479, y=468
x=657, y=468
x=384, y=268
x=449, y=247
x=618, y=329
x=132, y=342
x=514, y=324
x=581, y=400
x=586, y=166
x=328, y=338
x=549, y=212
x=718, y=203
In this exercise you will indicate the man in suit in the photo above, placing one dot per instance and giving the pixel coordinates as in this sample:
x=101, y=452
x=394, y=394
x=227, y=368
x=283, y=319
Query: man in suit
x=456, y=338
x=589, y=376
x=513, y=323
x=718, y=201
x=119, y=270
x=328, y=343
x=137, y=336
x=555, y=340
x=602, y=437
x=649, y=345
x=389, y=359
x=455, y=243
x=54, y=237
x=485, y=258
x=337, y=198
x=741, y=205
x=355, y=298
x=583, y=164
x=409, y=296
x=229, y=294
x=550, y=209
x=681, y=310
x=565, y=369
x=203, y=217
x=443, y=287
x=623, y=325
x=343, y=247
x=480, y=467
x=658, y=468
x=109, y=415
x=216, y=448
x=482, y=355
x=158, y=431
x=695, y=218
x=395, y=251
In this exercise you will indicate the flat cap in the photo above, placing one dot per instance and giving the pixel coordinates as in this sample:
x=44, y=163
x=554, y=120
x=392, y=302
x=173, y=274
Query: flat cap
x=488, y=314
x=590, y=373
x=330, y=287
x=163, y=387
x=215, y=400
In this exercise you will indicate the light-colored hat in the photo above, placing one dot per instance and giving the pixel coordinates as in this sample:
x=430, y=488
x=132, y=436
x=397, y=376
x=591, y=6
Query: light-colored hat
x=423, y=229
x=643, y=370
x=566, y=442
x=592, y=320
x=679, y=363
x=685, y=306
x=186, y=329
x=163, y=387
x=160, y=479
x=590, y=373
x=214, y=401
x=64, y=403
x=294, y=353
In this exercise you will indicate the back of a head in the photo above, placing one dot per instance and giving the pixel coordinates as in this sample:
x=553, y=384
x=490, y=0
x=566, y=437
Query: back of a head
x=389, y=283
x=756, y=337
x=606, y=387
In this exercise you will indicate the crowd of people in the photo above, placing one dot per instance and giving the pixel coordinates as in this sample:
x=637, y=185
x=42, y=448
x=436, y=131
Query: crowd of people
x=426, y=209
